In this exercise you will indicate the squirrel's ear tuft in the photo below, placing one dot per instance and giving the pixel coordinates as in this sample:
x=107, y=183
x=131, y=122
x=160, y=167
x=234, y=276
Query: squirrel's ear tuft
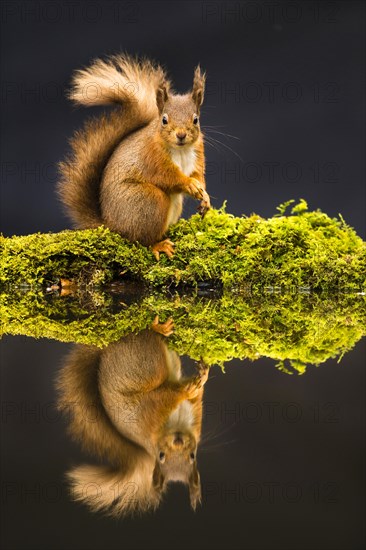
x=195, y=487
x=198, y=89
x=158, y=479
x=161, y=97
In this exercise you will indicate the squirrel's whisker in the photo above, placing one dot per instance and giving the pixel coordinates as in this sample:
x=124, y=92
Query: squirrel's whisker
x=221, y=133
x=226, y=146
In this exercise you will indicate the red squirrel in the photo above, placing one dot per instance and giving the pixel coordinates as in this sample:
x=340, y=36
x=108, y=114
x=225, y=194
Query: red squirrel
x=130, y=405
x=129, y=169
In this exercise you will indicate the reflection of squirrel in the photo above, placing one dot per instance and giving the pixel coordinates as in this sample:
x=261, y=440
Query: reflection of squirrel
x=130, y=405
x=129, y=169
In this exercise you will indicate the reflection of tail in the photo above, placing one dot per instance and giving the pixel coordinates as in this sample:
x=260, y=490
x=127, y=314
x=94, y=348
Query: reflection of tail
x=127, y=484
x=116, y=492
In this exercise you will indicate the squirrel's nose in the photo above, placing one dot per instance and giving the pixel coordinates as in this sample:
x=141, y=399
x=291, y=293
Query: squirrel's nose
x=181, y=135
x=178, y=440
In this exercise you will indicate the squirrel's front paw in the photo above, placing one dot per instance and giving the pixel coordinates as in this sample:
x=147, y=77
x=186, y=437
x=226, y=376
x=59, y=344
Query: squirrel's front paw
x=195, y=189
x=204, y=205
x=203, y=370
x=195, y=384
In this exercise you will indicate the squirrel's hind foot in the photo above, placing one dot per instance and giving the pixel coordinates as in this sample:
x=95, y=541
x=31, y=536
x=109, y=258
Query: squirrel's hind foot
x=165, y=246
x=166, y=329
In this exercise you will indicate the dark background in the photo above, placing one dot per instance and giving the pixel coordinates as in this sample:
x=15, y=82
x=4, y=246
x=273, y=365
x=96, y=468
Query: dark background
x=287, y=79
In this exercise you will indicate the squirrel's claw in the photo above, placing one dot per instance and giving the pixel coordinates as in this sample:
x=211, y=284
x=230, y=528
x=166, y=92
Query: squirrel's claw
x=195, y=189
x=196, y=383
x=203, y=371
x=205, y=203
x=203, y=207
x=165, y=246
x=166, y=329
x=202, y=367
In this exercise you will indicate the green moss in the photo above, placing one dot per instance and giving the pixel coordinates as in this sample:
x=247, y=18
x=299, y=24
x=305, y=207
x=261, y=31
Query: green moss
x=92, y=256
x=296, y=328
x=307, y=249
x=303, y=273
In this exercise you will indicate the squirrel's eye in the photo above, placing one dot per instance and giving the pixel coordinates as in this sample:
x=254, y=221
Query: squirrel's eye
x=195, y=119
x=191, y=456
x=164, y=120
x=161, y=456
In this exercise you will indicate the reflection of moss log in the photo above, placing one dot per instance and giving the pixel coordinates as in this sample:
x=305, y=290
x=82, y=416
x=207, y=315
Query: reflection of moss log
x=301, y=328
x=304, y=249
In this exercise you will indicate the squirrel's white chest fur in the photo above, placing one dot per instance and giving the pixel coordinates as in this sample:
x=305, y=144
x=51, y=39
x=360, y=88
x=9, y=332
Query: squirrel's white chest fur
x=182, y=417
x=185, y=159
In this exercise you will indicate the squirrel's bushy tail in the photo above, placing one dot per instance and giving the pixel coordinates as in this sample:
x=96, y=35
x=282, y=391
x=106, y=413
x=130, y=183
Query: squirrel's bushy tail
x=126, y=485
x=115, y=492
x=123, y=81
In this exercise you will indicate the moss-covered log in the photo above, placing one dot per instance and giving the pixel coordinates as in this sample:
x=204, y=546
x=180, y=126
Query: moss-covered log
x=303, y=249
